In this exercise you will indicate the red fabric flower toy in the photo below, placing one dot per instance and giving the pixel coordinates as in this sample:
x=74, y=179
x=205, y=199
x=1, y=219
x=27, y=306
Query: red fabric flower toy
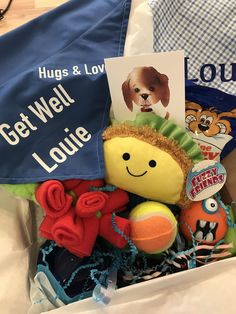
x=76, y=227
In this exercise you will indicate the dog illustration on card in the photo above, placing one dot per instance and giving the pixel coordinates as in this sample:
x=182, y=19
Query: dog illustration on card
x=146, y=87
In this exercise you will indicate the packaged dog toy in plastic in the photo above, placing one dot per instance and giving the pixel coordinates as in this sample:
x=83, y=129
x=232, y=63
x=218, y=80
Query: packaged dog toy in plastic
x=211, y=120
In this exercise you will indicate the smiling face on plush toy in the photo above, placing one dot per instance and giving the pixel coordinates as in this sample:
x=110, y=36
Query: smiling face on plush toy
x=143, y=162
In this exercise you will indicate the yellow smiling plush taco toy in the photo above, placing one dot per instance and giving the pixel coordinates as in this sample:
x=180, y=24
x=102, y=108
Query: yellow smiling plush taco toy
x=150, y=157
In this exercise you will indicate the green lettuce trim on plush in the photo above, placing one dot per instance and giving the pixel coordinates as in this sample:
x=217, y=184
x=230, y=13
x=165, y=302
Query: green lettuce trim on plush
x=25, y=191
x=170, y=130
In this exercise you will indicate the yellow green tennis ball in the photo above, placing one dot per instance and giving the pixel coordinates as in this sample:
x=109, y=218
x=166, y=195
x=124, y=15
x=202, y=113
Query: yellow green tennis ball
x=153, y=227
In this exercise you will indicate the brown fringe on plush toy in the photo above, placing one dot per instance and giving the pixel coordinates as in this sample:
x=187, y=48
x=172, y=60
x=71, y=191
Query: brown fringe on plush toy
x=147, y=134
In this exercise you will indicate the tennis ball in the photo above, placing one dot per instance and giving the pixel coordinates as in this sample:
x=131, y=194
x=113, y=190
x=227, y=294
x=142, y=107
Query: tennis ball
x=153, y=227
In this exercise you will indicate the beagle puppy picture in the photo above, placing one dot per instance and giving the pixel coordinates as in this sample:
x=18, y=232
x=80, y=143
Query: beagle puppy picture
x=145, y=87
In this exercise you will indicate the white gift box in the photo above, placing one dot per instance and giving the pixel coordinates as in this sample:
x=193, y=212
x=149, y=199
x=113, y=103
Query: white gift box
x=208, y=289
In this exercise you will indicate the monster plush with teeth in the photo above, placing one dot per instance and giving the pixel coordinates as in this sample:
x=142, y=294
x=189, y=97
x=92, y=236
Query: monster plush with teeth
x=150, y=157
x=205, y=220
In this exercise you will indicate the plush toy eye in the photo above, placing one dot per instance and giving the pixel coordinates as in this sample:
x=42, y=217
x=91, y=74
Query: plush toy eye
x=152, y=163
x=210, y=206
x=137, y=90
x=126, y=156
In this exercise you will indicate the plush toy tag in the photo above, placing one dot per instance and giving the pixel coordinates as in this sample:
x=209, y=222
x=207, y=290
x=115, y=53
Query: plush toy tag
x=205, y=179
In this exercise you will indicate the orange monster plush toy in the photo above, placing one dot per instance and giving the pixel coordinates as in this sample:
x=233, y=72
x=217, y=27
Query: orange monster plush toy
x=205, y=220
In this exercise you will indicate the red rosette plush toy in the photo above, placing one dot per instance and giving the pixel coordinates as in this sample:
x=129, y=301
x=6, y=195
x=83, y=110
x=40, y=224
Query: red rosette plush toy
x=53, y=199
x=76, y=228
x=110, y=202
x=91, y=203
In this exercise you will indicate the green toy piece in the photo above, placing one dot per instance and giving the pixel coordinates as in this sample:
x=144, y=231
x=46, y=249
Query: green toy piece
x=231, y=234
x=26, y=191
